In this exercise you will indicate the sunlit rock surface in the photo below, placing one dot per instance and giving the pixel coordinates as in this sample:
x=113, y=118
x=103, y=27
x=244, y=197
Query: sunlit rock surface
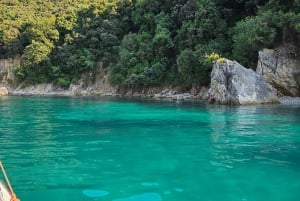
x=3, y=91
x=231, y=83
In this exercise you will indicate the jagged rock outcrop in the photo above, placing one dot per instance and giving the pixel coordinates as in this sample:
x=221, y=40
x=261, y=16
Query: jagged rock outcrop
x=231, y=83
x=3, y=91
x=281, y=68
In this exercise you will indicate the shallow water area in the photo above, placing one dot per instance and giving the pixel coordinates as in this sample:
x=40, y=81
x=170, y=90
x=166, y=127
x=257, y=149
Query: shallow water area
x=115, y=150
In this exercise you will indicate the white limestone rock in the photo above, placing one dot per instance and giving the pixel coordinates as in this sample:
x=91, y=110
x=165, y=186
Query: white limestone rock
x=231, y=83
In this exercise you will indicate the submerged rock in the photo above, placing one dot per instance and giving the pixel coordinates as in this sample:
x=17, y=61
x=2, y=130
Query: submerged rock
x=281, y=68
x=3, y=91
x=231, y=83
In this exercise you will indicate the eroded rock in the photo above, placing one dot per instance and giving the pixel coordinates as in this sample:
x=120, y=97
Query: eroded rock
x=281, y=68
x=231, y=83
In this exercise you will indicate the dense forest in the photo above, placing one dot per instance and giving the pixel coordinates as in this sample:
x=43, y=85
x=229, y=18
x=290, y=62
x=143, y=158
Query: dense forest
x=142, y=43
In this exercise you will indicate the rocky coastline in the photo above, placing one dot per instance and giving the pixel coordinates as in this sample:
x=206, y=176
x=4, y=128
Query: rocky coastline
x=231, y=83
x=167, y=94
x=287, y=100
x=91, y=91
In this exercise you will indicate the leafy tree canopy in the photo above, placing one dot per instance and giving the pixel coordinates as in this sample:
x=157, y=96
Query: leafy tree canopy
x=141, y=42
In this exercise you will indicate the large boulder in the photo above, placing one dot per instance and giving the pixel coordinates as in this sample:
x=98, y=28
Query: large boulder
x=281, y=68
x=3, y=91
x=231, y=83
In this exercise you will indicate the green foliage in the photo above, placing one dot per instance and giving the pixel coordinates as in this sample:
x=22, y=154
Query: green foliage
x=249, y=36
x=142, y=42
x=213, y=57
x=206, y=24
x=66, y=21
x=195, y=66
x=19, y=72
x=162, y=41
x=35, y=53
x=63, y=81
x=187, y=64
x=275, y=23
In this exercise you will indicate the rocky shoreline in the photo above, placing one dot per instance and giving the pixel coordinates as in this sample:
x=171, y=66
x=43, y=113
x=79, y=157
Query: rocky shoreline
x=155, y=94
x=286, y=100
x=77, y=90
x=276, y=80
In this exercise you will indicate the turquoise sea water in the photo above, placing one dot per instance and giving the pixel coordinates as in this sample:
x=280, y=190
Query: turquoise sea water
x=84, y=149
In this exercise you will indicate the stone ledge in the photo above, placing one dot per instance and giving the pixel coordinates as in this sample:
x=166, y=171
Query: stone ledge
x=286, y=100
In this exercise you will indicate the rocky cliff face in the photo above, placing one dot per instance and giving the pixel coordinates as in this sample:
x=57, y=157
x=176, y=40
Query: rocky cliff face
x=281, y=68
x=7, y=76
x=231, y=83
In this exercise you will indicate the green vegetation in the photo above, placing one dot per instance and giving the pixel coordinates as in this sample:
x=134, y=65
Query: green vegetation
x=142, y=42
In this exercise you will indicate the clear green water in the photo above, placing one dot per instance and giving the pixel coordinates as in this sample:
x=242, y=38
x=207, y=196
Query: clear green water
x=111, y=150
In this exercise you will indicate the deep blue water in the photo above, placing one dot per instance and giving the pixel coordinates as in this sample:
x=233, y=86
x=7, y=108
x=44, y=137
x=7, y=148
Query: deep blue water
x=84, y=149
